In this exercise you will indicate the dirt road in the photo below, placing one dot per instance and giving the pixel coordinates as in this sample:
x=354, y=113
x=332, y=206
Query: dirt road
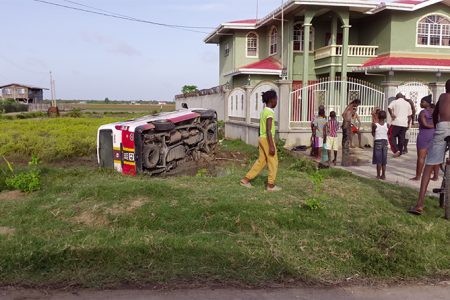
x=350, y=293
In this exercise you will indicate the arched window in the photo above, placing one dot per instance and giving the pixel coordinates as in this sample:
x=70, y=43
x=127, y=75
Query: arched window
x=434, y=30
x=273, y=41
x=299, y=38
x=252, y=44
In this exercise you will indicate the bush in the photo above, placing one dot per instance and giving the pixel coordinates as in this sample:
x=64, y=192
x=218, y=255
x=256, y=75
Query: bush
x=27, y=181
x=11, y=106
x=75, y=113
x=303, y=165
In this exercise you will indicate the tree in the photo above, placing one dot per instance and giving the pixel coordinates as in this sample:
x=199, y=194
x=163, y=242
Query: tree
x=106, y=100
x=189, y=89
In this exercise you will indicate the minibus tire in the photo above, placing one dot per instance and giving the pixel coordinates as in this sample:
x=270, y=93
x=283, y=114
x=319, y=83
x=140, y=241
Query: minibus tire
x=163, y=125
x=150, y=156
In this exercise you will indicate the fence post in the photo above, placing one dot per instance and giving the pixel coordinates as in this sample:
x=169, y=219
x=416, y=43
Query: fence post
x=437, y=89
x=284, y=102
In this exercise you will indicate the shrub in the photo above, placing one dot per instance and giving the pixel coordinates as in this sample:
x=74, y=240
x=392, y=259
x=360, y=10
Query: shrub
x=27, y=181
x=75, y=113
x=303, y=165
x=281, y=151
x=10, y=106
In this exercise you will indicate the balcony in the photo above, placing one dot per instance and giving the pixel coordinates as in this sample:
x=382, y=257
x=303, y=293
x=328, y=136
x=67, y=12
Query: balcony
x=353, y=51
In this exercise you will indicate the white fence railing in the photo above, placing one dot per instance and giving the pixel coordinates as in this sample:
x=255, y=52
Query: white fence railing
x=413, y=134
x=353, y=51
x=334, y=95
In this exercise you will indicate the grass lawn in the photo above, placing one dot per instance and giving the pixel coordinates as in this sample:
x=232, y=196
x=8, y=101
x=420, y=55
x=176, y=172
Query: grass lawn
x=94, y=228
x=149, y=108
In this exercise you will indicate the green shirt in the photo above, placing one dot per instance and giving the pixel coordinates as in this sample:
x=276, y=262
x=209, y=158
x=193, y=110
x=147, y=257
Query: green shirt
x=267, y=113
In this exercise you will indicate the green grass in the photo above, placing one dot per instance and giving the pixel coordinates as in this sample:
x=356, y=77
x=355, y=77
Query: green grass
x=93, y=228
x=51, y=139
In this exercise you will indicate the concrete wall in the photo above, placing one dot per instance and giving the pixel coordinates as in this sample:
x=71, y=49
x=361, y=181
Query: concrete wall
x=215, y=101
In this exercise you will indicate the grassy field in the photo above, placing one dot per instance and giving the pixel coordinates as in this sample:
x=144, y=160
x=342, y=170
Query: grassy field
x=50, y=139
x=94, y=228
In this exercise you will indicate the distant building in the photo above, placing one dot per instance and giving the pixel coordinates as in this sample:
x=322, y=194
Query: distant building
x=22, y=93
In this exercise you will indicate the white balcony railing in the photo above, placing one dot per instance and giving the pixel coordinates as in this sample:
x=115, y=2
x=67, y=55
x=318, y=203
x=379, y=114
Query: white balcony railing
x=353, y=51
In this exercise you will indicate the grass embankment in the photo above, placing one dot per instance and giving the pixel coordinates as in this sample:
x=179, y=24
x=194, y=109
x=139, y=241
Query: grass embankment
x=94, y=228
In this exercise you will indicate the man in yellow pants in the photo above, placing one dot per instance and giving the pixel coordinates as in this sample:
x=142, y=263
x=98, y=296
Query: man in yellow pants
x=267, y=150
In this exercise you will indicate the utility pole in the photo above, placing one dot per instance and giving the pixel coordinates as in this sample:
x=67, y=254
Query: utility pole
x=257, y=10
x=52, y=89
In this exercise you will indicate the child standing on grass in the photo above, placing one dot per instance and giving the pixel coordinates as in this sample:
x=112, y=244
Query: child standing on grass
x=267, y=151
x=380, y=148
x=332, y=140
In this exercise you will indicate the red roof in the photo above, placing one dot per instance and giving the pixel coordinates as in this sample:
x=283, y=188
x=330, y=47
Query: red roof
x=265, y=64
x=406, y=61
x=251, y=21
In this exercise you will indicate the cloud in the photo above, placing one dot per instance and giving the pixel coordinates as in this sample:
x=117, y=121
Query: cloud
x=110, y=44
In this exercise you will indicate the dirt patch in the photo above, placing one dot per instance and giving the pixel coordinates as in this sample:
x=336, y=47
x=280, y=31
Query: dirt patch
x=118, y=210
x=11, y=196
x=91, y=219
x=7, y=230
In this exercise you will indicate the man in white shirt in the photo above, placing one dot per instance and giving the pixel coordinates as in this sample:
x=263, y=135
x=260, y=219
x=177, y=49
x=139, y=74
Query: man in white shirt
x=401, y=112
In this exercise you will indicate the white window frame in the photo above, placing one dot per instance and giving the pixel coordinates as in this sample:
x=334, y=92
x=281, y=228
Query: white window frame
x=270, y=41
x=227, y=50
x=247, y=42
x=302, y=38
x=429, y=35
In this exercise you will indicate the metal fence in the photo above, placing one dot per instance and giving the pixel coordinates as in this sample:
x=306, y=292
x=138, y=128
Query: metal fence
x=330, y=94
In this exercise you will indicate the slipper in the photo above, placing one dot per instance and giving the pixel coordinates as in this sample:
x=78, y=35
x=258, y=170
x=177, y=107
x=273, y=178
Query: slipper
x=413, y=210
x=247, y=185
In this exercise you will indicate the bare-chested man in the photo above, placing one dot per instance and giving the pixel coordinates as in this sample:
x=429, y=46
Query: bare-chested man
x=436, y=152
x=347, y=131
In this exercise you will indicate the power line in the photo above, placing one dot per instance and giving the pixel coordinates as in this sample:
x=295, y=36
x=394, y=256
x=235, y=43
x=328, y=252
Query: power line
x=122, y=17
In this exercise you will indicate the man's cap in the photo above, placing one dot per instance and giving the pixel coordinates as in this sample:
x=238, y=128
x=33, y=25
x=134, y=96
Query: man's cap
x=400, y=95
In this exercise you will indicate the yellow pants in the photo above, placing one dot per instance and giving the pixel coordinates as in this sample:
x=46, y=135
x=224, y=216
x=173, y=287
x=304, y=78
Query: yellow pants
x=263, y=159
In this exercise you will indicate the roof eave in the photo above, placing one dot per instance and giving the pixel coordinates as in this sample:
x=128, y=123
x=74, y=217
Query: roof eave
x=244, y=71
x=415, y=68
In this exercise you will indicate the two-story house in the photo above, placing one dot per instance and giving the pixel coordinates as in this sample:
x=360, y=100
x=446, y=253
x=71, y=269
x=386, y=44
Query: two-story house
x=22, y=93
x=331, y=52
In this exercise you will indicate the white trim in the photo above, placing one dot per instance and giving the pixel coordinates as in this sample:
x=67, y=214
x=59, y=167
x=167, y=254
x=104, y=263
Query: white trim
x=383, y=68
x=417, y=31
x=253, y=72
x=257, y=44
x=270, y=40
x=337, y=65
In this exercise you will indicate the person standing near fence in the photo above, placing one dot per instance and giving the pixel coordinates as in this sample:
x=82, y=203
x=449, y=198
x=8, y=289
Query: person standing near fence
x=347, y=131
x=401, y=112
x=267, y=150
x=380, y=148
x=319, y=131
x=332, y=139
x=426, y=132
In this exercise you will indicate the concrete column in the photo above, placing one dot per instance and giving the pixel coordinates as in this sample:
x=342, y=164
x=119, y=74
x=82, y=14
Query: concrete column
x=248, y=92
x=390, y=91
x=306, y=39
x=334, y=24
x=345, y=42
x=437, y=89
x=284, y=103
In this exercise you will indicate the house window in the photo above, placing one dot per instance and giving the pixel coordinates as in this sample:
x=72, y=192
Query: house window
x=7, y=92
x=227, y=49
x=21, y=91
x=273, y=41
x=252, y=44
x=299, y=38
x=434, y=30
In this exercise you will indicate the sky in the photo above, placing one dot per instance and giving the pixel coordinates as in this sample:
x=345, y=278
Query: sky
x=94, y=57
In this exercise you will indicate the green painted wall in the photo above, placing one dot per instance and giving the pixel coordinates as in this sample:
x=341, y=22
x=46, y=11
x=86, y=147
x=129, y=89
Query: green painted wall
x=226, y=63
x=404, y=28
x=375, y=31
x=243, y=80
